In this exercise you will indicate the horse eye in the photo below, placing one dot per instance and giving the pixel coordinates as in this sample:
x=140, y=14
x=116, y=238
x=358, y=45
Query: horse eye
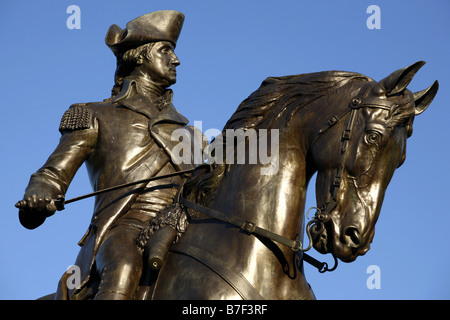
x=373, y=137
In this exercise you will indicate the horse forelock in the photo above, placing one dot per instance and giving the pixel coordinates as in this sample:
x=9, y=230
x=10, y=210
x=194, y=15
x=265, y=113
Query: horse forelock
x=402, y=115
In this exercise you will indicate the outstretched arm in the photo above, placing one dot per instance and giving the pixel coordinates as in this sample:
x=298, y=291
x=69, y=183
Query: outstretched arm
x=51, y=182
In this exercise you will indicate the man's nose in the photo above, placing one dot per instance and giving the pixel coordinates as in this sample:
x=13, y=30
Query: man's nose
x=174, y=60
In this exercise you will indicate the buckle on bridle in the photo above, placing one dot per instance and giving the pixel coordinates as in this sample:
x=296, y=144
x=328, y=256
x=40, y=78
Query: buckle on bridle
x=346, y=134
x=248, y=226
x=297, y=245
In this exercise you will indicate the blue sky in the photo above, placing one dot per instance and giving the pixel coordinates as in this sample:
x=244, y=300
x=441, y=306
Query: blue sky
x=226, y=50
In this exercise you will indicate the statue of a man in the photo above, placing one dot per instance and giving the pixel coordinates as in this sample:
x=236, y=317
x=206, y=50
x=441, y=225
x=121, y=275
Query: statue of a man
x=123, y=139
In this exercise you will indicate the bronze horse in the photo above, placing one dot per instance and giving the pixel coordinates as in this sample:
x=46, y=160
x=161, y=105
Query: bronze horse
x=345, y=126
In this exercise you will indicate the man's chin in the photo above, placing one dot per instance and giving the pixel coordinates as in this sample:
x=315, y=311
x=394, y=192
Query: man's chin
x=171, y=81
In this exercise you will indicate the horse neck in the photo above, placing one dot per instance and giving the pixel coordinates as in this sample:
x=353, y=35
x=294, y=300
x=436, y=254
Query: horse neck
x=276, y=201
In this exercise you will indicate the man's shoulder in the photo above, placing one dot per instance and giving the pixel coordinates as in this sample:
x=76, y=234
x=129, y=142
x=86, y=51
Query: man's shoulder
x=80, y=116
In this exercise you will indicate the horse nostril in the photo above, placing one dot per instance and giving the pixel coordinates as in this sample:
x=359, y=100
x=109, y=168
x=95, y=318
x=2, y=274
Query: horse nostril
x=352, y=237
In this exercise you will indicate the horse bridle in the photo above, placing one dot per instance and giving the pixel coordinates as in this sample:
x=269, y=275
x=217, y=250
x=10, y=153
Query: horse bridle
x=359, y=101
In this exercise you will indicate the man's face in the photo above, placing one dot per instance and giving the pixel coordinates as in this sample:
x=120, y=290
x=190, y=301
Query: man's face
x=161, y=67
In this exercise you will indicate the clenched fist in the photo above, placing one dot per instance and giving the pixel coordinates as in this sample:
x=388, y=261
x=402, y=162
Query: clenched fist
x=34, y=209
x=41, y=204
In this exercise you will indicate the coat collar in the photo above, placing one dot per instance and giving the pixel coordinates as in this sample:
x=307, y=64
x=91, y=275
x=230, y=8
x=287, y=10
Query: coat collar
x=157, y=110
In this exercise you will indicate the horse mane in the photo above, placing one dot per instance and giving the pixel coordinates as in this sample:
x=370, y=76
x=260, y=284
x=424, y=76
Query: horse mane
x=276, y=100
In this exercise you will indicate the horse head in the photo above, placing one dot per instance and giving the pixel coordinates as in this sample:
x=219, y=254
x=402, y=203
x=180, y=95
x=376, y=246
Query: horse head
x=356, y=152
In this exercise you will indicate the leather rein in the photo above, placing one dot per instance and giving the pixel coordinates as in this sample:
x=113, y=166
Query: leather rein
x=251, y=228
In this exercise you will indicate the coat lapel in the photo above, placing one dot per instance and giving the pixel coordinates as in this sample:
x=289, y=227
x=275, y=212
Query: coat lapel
x=161, y=110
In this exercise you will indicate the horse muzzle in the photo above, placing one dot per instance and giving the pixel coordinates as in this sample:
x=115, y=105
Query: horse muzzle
x=327, y=237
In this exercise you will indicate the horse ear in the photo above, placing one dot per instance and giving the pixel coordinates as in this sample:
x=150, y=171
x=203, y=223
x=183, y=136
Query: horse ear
x=422, y=99
x=398, y=80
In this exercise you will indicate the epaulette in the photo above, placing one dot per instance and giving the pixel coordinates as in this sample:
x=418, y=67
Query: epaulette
x=78, y=117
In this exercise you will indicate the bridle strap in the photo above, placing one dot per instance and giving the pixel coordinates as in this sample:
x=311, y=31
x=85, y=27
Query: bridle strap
x=355, y=104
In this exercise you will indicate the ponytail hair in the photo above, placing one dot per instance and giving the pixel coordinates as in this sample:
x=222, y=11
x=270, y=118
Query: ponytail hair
x=127, y=62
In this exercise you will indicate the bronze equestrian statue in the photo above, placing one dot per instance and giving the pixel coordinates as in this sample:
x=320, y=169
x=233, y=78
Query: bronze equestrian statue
x=239, y=233
x=122, y=139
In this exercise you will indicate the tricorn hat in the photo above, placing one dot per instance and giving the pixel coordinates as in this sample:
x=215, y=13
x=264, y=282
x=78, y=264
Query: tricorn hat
x=162, y=25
